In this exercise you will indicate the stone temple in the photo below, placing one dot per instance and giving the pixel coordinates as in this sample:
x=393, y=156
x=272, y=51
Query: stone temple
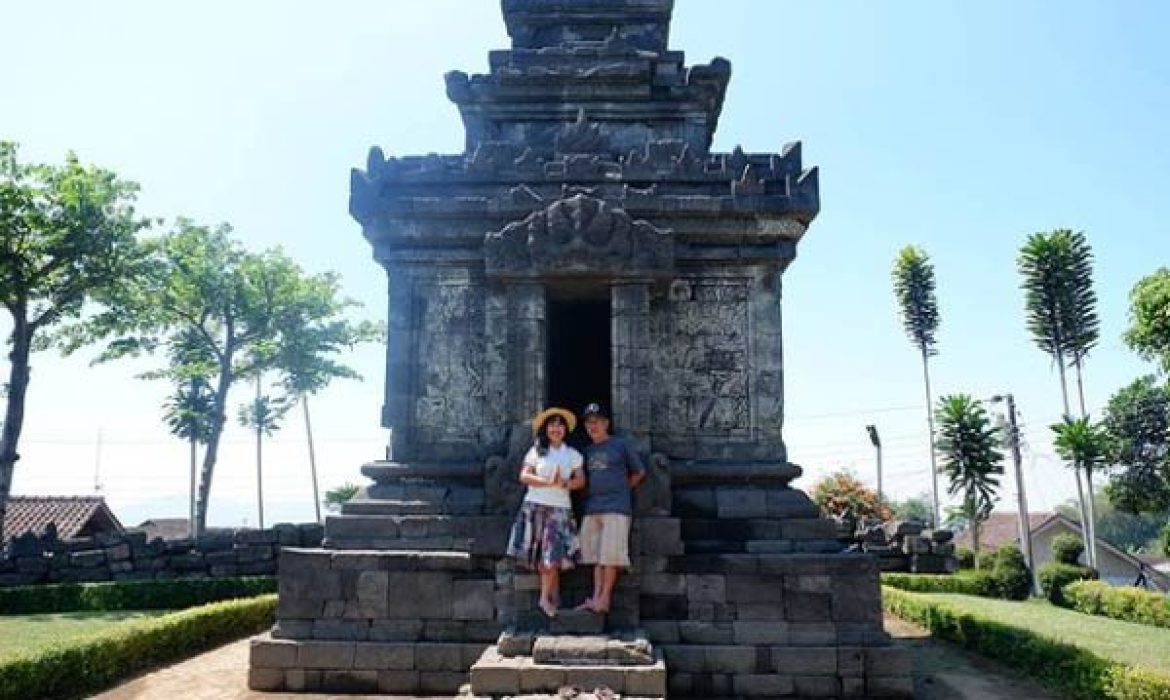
x=587, y=245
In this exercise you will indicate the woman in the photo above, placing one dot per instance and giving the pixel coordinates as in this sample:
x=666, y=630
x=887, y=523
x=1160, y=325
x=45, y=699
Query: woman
x=544, y=537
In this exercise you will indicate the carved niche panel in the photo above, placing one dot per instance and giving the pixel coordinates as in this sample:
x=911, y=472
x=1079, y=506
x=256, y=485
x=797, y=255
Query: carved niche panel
x=706, y=359
x=578, y=234
x=449, y=390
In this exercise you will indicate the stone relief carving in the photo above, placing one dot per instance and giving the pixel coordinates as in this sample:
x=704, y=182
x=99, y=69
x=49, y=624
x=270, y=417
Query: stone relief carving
x=450, y=390
x=581, y=136
x=707, y=324
x=578, y=234
x=503, y=491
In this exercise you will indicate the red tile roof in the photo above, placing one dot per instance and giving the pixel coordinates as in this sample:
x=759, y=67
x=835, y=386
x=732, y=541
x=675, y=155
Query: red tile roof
x=1001, y=529
x=74, y=516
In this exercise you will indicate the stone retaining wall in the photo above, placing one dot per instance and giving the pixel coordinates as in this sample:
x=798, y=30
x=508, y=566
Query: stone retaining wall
x=31, y=560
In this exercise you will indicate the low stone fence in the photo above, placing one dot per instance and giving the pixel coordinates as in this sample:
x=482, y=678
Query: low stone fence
x=30, y=560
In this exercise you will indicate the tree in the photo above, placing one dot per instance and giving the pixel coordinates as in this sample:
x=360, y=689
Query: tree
x=972, y=462
x=263, y=414
x=842, y=492
x=1137, y=419
x=66, y=233
x=1149, y=318
x=914, y=289
x=1084, y=446
x=187, y=414
x=308, y=366
x=913, y=508
x=1060, y=307
x=336, y=497
x=201, y=284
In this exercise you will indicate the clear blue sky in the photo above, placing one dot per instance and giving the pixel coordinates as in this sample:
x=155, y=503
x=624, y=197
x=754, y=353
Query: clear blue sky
x=959, y=127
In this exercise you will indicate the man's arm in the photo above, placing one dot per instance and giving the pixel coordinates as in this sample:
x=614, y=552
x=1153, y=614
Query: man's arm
x=637, y=470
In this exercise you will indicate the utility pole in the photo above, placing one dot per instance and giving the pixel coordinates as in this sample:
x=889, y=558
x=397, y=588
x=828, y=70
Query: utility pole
x=1021, y=498
x=877, y=445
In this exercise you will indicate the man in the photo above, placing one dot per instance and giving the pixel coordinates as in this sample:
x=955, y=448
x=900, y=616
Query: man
x=612, y=468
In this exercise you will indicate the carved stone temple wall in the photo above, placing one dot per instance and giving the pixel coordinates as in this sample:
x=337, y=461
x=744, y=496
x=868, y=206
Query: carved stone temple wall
x=587, y=200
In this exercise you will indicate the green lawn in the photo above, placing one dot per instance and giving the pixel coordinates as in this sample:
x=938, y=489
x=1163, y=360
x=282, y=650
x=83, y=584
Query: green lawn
x=1127, y=642
x=20, y=633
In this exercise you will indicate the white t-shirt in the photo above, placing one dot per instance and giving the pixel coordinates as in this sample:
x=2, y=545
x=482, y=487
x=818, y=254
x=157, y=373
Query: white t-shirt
x=564, y=458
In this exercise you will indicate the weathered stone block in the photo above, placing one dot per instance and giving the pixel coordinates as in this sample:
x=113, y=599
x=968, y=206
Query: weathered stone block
x=729, y=659
x=473, y=599
x=888, y=661
x=817, y=686
x=759, y=611
x=760, y=632
x=293, y=629
x=592, y=677
x=808, y=661
x=807, y=607
x=341, y=629
x=763, y=685
x=741, y=503
x=684, y=658
x=398, y=681
x=270, y=653
x=300, y=680
x=661, y=631
x=850, y=661
x=266, y=679
x=664, y=584
x=645, y=681
x=420, y=595
x=809, y=584
x=438, y=657
x=706, y=588
x=372, y=593
x=754, y=589
x=349, y=681
x=812, y=633
x=390, y=657
x=325, y=655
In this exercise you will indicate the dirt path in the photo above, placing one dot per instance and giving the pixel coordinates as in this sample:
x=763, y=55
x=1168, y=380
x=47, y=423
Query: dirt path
x=943, y=673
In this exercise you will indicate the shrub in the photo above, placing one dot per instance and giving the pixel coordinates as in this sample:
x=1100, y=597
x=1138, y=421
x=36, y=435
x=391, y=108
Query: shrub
x=966, y=558
x=1054, y=577
x=1119, y=602
x=1067, y=549
x=130, y=595
x=978, y=583
x=95, y=663
x=1010, y=575
x=1064, y=668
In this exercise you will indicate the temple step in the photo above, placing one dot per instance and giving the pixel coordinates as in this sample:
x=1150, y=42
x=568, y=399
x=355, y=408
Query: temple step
x=495, y=675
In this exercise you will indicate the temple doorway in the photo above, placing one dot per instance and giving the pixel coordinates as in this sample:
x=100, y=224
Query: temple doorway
x=579, y=356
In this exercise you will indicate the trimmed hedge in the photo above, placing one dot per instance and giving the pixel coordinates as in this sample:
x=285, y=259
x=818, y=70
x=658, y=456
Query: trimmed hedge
x=1008, y=578
x=130, y=595
x=967, y=582
x=79, y=668
x=1054, y=577
x=1119, y=602
x=1067, y=669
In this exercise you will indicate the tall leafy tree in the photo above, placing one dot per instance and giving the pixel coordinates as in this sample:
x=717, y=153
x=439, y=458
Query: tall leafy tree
x=1060, y=308
x=914, y=287
x=1149, y=318
x=1137, y=419
x=971, y=460
x=200, y=283
x=263, y=415
x=67, y=232
x=1084, y=446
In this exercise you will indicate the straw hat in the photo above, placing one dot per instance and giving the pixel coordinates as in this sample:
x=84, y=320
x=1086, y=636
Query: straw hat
x=567, y=415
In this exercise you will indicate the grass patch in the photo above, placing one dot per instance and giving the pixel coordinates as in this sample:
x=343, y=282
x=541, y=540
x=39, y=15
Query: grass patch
x=30, y=633
x=1126, y=642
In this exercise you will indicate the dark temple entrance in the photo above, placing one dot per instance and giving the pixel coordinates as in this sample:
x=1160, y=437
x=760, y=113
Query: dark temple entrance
x=579, y=357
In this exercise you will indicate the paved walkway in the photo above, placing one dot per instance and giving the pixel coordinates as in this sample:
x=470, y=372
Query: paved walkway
x=943, y=673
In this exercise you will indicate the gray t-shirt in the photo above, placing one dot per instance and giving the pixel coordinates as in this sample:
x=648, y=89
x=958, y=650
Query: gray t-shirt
x=607, y=465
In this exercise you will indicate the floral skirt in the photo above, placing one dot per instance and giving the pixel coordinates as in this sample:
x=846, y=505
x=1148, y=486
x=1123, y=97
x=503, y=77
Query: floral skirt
x=544, y=536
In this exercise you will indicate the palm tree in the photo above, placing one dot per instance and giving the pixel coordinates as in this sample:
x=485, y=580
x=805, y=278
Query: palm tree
x=1084, y=446
x=1060, y=305
x=187, y=413
x=972, y=462
x=914, y=288
x=263, y=415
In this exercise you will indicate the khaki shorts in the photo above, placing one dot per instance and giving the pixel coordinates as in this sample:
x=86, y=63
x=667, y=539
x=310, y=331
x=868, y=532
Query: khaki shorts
x=605, y=539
